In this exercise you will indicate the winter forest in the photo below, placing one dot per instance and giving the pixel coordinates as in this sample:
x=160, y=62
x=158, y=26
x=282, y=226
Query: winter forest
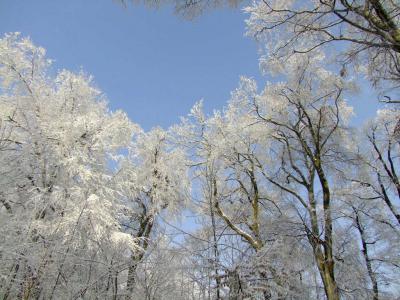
x=290, y=199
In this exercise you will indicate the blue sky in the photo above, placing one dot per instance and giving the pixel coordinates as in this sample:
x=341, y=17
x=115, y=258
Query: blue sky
x=150, y=63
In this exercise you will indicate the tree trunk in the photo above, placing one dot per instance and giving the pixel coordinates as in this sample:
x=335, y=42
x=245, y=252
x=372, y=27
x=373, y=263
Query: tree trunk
x=327, y=264
x=215, y=248
x=367, y=259
x=326, y=271
x=130, y=284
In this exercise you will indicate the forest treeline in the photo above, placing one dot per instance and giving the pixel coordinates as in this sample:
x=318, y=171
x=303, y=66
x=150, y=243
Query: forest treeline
x=289, y=199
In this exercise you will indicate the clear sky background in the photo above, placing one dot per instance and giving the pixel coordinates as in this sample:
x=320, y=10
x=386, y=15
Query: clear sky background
x=149, y=63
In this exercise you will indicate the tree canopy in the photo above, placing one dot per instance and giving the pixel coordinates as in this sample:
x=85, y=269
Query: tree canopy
x=287, y=199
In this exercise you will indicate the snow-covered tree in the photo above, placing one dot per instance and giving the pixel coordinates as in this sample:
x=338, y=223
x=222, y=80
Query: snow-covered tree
x=290, y=201
x=62, y=198
x=276, y=173
x=362, y=33
x=152, y=180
